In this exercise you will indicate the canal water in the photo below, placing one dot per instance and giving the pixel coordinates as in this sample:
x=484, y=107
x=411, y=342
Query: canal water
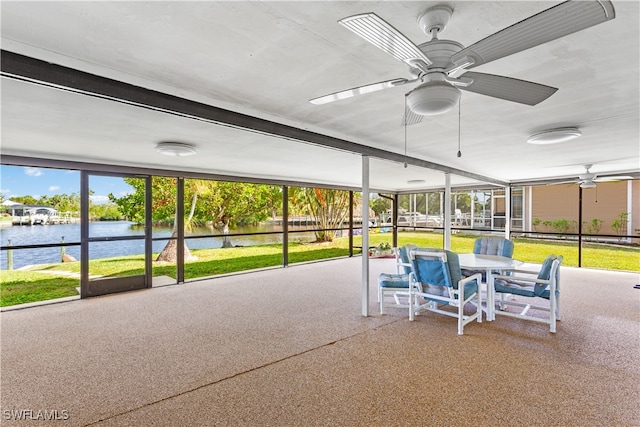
x=17, y=235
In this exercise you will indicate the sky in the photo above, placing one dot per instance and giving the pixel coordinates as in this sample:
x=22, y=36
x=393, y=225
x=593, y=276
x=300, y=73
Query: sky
x=37, y=182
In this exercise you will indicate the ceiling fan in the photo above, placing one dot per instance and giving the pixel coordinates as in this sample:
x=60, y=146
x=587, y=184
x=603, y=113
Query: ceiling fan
x=441, y=66
x=589, y=179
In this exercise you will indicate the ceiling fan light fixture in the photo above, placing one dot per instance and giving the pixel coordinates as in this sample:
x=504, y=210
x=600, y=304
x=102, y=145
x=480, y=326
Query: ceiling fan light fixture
x=554, y=136
x=175, y=149
x=433, y=98
x=587, y=184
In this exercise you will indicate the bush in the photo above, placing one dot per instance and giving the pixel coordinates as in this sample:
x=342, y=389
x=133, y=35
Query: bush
x=561, y=225
x=593, y=227
x=619, y=225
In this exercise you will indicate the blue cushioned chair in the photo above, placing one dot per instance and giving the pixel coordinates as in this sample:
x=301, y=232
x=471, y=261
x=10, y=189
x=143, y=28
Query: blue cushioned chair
x=393, y=288
x=493, y=246
x=490, y=246
x=437, y=282
x=544, y=284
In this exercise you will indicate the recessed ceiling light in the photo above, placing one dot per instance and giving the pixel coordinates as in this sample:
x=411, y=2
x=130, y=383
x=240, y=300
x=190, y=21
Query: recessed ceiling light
x=175, y=149
x=554, y=136
x=416, y=181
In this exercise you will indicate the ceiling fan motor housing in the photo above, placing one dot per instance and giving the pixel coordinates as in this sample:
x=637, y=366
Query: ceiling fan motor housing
x=440, y=52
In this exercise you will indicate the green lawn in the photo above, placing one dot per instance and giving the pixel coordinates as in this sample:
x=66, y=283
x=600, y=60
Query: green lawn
x=609, y=257
x=19, y=287
x=22, y=286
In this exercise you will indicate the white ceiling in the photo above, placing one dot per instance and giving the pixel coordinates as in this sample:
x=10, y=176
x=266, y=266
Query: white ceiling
x=267, y=59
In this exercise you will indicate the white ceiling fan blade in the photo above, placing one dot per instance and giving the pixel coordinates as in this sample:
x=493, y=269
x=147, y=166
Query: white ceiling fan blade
x=564, y=182
x=360, y=90
x=553, y=23
x=507, y=88
x=384, y=36
x=613, y=178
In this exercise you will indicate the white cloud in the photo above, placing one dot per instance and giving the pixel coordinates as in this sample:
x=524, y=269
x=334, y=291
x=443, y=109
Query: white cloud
x=33, y=172
x=5, y=191
x=99, y=199
x=54, y=188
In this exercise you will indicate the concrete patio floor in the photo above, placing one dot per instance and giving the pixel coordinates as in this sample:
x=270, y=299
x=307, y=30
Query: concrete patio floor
x=289, y=347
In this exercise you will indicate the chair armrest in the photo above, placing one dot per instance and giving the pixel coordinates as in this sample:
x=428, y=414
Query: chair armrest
x=461, y=285
x=527, y=274
x=522, y=271
x=466, y=280
x=517, y=278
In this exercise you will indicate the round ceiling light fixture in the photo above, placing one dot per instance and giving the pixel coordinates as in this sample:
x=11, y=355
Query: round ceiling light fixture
x=433, y=98
x=175, y=149
x=554, y=136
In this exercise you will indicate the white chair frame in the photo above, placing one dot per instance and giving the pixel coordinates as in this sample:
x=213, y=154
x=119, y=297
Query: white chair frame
x=400, y=295
x=530, y=277
x=416, y=293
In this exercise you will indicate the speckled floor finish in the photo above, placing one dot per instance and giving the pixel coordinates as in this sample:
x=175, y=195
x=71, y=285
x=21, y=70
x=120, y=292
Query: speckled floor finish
x=288, y=347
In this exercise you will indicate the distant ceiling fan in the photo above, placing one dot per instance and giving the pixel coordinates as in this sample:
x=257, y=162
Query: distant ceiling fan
x=589, y=179
x=441, y=65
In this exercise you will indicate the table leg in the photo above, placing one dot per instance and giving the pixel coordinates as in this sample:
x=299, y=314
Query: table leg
x=491, y=306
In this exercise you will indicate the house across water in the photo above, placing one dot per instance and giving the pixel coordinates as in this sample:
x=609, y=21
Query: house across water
x=35, y=215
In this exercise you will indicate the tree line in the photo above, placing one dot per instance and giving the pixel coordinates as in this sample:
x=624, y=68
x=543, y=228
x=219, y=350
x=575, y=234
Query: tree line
x=225, y=205
x=70, y=203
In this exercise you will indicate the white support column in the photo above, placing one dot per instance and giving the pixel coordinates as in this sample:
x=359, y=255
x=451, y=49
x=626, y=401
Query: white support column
x=530, y=208
x=473, y=209
x=629, y=209
x=365, y=236
x=493, y=209
x=447, y=211
x=426, y=207
x=507, y=212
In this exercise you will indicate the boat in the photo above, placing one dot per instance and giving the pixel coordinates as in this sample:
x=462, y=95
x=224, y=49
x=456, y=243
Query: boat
x=33, y=215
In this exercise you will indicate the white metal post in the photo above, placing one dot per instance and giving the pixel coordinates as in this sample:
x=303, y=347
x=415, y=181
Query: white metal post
x=447, y=211
x=629, y=209
x=473, y=208
x=365, y=235
x=414, y=212
x=493, y=208
x=507, y=212
x=529, y=191
x=426, y=208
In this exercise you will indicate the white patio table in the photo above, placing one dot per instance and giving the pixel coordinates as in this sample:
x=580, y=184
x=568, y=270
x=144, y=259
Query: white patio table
x=489, y=263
